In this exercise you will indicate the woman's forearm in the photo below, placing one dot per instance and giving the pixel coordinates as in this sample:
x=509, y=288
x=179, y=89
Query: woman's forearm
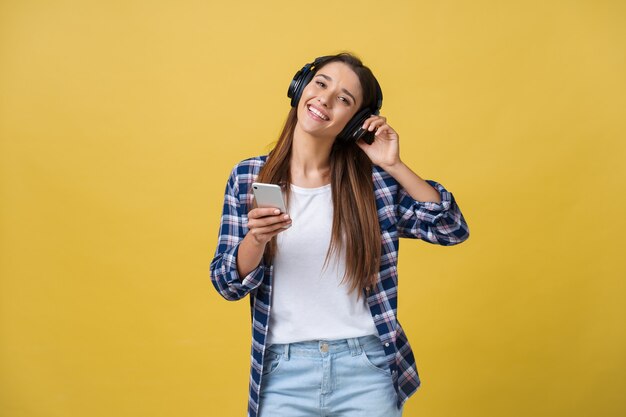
x=417, y=188
x=249, y=255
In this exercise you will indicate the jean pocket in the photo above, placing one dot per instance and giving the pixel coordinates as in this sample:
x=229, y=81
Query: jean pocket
x=271, y=361
x=374, y=357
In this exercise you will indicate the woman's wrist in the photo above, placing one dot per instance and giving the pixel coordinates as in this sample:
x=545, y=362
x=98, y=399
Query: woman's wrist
x=394, y=167
x=254, y=241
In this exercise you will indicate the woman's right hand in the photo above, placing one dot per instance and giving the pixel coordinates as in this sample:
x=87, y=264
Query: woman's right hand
x=265, y=223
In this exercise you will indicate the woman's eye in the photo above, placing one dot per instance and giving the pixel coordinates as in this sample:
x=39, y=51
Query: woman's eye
x=320, y=83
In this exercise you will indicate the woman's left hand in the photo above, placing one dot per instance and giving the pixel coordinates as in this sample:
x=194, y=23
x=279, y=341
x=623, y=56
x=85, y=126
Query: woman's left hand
x=385, y=150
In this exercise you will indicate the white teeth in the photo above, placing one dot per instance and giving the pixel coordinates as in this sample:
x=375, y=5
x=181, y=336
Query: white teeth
x=317, y=113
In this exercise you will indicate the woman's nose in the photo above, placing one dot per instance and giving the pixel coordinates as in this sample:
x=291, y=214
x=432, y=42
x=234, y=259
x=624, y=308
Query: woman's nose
x=322, y=99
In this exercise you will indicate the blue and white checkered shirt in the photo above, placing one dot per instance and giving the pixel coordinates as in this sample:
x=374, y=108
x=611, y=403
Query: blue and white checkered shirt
x=399, y=215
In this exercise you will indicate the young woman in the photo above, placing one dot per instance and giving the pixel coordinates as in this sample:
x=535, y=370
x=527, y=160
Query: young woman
x=322, y=278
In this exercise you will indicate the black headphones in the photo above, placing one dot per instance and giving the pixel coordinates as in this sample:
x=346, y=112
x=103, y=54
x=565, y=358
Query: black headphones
x=353, y=130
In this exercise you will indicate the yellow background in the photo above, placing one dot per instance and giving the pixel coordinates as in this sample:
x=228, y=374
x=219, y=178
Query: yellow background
x=120, y=122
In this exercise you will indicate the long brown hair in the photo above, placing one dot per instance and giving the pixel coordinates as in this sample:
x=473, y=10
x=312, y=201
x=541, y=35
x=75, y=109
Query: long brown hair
x=355, y=221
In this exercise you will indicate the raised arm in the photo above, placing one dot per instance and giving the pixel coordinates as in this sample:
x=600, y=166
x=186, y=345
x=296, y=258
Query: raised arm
x=424, y=209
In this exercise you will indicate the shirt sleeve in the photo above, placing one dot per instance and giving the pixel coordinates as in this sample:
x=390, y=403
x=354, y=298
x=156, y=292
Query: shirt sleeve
x=223, y=269
x=437, y=223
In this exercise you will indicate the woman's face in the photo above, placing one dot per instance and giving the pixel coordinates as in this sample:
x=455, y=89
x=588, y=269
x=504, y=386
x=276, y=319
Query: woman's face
x=335, y=92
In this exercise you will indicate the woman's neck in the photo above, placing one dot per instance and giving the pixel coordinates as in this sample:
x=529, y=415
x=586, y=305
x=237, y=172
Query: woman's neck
x=310, y=160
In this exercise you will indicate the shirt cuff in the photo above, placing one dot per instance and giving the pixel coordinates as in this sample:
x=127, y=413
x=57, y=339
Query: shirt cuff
x=429, y=211
x=251, y=281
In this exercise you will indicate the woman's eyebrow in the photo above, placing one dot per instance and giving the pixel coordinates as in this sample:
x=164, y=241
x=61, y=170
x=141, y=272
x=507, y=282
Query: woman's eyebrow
x=343, y=89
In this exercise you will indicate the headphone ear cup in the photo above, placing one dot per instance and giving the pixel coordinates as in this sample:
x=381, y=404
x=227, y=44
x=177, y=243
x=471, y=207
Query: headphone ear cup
x=303, y=82
x=304, y=77
x=294, y=83
x=298, y=83
x=354, y=130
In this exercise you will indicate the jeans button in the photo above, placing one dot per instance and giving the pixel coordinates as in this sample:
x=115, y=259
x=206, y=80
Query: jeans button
x=324, y=347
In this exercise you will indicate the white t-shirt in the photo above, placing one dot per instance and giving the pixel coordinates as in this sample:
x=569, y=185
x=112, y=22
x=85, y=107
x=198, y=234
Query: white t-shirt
x=308, y=303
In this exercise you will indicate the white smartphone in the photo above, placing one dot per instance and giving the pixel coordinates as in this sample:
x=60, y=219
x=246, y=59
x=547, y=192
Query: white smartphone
x=269, y=195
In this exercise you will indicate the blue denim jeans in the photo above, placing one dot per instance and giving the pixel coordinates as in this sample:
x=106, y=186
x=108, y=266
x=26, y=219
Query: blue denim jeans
x=327, y=378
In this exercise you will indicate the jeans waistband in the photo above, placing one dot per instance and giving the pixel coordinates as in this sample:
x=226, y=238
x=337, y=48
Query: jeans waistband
x=322, y=347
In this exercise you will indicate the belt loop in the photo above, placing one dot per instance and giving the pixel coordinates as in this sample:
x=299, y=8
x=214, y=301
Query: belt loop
x=355, y=346
x=286, y=351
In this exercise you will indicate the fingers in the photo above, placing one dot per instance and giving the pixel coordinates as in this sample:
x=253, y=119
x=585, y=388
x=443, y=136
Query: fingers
x=379, y=125
x=268, y=221
x=265, y=216
x=270, y=230
x=274, y=229
x=374, y=122
x=262, y=212
x=265, y=223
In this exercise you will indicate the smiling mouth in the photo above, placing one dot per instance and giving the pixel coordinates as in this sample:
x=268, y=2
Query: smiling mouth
x=315, y=114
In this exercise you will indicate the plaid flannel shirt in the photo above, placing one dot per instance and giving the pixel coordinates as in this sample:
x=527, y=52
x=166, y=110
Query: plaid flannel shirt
x=399, y=215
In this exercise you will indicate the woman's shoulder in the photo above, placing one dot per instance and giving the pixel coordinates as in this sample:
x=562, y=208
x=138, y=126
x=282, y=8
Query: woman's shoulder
x=244, y=173
x=249, y=166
